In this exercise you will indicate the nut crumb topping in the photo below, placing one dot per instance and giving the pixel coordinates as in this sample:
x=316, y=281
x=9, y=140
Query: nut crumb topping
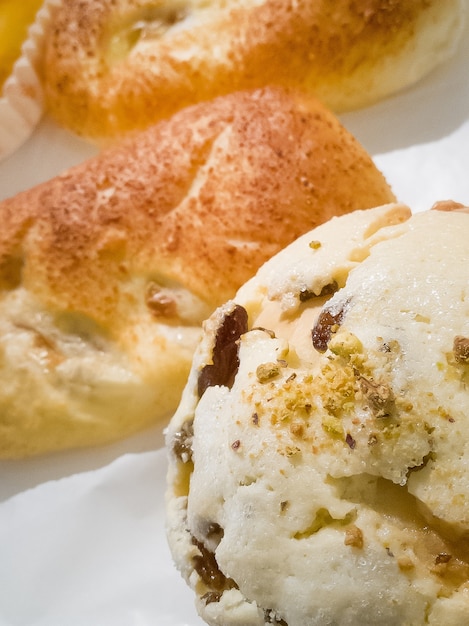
x=353, y=536
x=461, y=349
x=267, y=371
x=379, y=397
x=404, y=562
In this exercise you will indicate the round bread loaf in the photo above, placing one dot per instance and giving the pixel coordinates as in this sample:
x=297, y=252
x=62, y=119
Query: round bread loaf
x=114, y=66
x=318, y=458
x=108, y=270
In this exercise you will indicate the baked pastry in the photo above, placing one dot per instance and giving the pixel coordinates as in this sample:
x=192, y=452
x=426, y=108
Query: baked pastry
x=113, y=66
x=22, y=27
x=108, y=270
x=318, y=458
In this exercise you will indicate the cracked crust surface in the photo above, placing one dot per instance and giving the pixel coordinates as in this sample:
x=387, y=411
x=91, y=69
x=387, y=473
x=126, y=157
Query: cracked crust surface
x=337, y=475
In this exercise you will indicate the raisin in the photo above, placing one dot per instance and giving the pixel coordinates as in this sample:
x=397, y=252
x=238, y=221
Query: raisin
x=327, y=290
x=443, y=557
x=225, y=352
x=214, y=531
x=211, y=596
x=206, y=566
x=271, y=618
x=324, y=327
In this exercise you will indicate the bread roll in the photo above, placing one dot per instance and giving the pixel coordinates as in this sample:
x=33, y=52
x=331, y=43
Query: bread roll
x=108, y=270
x=113, y=66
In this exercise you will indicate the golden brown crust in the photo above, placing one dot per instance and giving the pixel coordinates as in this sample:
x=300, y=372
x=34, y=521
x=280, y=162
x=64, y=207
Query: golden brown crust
x=202, y=200
x=115, y=66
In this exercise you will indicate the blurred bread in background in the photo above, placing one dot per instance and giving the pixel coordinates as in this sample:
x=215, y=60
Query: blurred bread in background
x=115, y=66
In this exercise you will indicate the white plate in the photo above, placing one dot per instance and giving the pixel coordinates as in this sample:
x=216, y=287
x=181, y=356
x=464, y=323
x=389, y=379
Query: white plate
x=82, y=534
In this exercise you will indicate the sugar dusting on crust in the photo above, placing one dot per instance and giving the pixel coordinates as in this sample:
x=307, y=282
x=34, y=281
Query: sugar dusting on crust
x=139, y=62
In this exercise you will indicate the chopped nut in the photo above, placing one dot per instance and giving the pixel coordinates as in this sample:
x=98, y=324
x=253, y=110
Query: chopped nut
x=333, y=426
x=267, y=371
x=182, y=442
x=405, y=562
x=297, y=429
x=379, y=397
x=461, y=349
x=345, y=344
x=289, y=451
x=353, y=536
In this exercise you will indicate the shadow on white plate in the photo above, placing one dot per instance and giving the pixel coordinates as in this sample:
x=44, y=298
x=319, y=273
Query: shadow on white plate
x=23, y=474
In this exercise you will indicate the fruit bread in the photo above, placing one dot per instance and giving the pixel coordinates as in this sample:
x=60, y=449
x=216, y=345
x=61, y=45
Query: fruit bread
x=115, y=65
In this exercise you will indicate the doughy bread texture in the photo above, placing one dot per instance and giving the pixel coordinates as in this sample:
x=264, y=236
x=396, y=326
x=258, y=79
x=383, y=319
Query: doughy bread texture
x=113, y=66
x=107, y=270
x=318, y=459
